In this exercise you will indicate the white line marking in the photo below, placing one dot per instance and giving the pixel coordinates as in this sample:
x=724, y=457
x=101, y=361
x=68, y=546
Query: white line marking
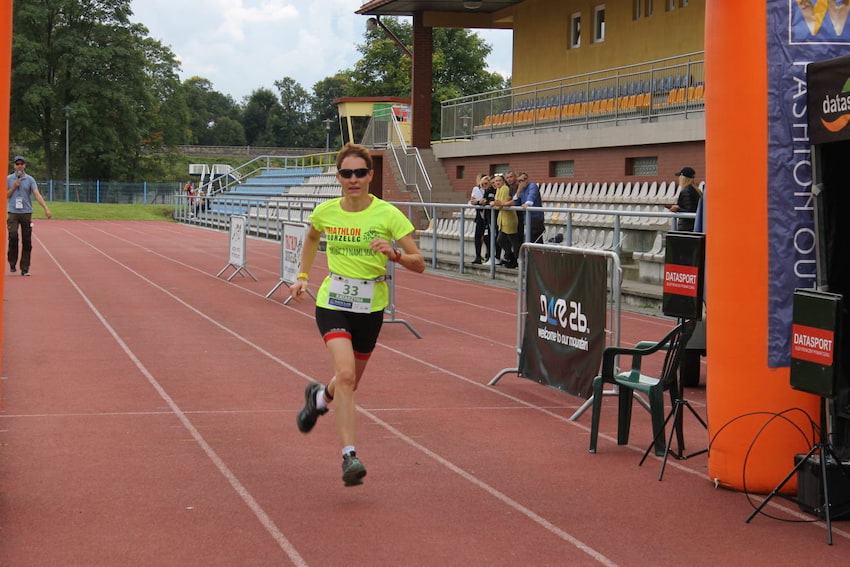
x=454, y=468
x=470, y=381
x=240, y=489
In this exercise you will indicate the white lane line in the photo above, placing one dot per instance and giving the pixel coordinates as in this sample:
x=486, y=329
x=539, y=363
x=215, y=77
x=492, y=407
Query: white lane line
x=282, y=411
x=240, y=489
x=454, y=468
x=636, y=316
x=138, y=413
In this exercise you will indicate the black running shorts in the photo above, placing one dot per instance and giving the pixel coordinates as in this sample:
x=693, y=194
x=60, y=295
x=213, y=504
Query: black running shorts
x=361, y=328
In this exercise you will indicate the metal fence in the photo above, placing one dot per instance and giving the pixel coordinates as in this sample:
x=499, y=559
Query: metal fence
x=264, y=218
x=139, y=193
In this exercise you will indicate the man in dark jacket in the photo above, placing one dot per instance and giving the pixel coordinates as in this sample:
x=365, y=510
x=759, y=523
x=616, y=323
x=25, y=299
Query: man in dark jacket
x=688, y=198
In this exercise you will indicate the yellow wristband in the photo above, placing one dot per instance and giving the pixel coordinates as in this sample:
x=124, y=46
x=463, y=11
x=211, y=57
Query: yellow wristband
x=302, y=276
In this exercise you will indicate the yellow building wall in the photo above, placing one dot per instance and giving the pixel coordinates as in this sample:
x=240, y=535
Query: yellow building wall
x=543, y=27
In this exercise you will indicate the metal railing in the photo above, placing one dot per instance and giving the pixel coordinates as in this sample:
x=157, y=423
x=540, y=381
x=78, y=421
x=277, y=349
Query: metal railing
x=645, y=92
x=265, y=218
x=111, y=192
x=257, y=165
x=383, y=131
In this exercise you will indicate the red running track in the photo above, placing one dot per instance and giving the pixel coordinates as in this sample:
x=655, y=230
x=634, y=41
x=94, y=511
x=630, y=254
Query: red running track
x=149, y=419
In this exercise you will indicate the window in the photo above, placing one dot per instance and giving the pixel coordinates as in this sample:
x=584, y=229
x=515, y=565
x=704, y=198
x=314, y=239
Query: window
x=649, y=8
x=671, y=5
x=499, y=168
x=642, y=166
x=636, y=9
x=565, y=168
x=683, y=3
x=599, y=23
x=459, y=171
x=575, y=30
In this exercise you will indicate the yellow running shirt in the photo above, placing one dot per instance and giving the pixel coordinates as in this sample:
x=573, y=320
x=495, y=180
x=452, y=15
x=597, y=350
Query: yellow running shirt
x=348, y=236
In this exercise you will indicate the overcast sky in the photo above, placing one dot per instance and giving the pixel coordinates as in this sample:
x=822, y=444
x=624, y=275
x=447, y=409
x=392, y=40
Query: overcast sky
x=242, y=45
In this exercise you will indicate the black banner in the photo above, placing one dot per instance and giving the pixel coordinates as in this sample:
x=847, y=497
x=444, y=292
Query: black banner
x=564, y=333
x=814, y=335
x=684, y=262
x=829, y=100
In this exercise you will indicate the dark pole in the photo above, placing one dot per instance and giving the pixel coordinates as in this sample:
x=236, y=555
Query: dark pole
x=67, y=154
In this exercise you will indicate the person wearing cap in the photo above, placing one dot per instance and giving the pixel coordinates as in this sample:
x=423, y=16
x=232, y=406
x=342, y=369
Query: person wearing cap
x=688, y=198
x=20, y=189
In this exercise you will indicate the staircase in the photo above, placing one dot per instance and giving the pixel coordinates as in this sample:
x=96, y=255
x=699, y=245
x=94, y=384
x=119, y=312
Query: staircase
x=407, y=181
x=441, y=187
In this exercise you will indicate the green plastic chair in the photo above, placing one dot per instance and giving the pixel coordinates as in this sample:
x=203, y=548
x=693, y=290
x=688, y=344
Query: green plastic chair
x=633, y=380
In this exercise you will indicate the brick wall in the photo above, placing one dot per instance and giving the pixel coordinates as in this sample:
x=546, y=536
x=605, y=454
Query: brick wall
x=596, y=164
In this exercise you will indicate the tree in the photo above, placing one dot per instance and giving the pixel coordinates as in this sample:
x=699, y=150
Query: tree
x=293, y=123
x=256, y=117
x=227, y=132
x=459, y=67
x=168, y=114
x=324, y=93
x=206, y=108
x=85, y=56
x=383, y=69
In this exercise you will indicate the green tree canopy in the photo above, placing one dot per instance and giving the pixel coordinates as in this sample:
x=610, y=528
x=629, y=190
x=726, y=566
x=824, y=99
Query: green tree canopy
x=207, y=107
x=256, y=117
x=85, y=56
x=459, y=67
x=82, y=62
x=293, y=123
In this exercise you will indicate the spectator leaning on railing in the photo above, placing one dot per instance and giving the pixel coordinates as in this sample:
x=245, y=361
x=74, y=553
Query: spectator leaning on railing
x=529, y=196
x=509, y=238
x=482, y=221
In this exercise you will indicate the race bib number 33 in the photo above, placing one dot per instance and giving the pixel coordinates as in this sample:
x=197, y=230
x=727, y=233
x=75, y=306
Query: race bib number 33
x=349, y=294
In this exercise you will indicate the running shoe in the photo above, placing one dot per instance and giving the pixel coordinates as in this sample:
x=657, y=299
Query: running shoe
x=309, y=414
x=353, y=470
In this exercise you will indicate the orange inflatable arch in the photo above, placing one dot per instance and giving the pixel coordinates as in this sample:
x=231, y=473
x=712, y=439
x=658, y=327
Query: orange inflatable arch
x=740, y=382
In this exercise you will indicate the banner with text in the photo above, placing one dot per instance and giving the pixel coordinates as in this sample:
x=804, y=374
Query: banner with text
x=799, y=32
x=564, y=331
x=238, y=239
x=291, y=244
x=684, y=261
x=814, y=333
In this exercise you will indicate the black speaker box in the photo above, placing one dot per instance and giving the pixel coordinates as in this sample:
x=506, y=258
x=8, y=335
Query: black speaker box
x=684, y=270
x=815, y=334
x=810, y=487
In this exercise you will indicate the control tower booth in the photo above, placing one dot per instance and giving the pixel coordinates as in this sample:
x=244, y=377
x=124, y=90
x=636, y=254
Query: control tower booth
x=369, y=120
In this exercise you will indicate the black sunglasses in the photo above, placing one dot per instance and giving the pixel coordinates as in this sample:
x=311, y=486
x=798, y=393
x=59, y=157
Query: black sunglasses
x=360, y=172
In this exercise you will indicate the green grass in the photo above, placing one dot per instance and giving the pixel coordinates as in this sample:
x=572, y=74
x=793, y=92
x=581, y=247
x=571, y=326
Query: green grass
x=92, y=211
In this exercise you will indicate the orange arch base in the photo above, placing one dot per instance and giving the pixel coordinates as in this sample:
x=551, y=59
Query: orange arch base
x=5, y=89
x=743, y=392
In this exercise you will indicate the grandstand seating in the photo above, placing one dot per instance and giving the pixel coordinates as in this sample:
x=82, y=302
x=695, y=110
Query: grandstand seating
x=274, y=182
x=271, y=182
x=629, y=98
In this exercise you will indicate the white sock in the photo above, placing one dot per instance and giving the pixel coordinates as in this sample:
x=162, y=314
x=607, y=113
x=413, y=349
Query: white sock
x=347, y=449
x=320, y=399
